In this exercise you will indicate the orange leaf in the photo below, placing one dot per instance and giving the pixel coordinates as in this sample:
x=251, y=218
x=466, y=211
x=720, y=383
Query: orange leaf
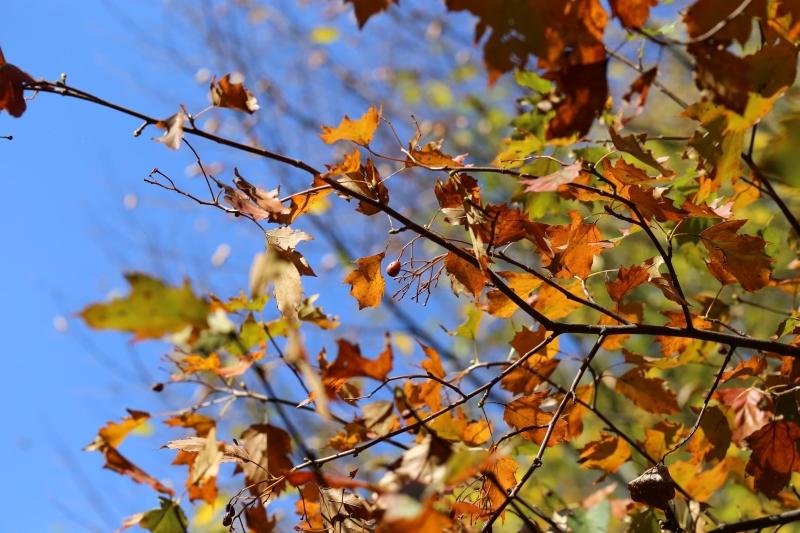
x=632, y=13
x=350, y=363
x=701, y=485
x=225, y=93
x=12, y=97
x=525, y=378
x=464, y=276
x=527, y=412
x=202, y=424
x=752, y=367
x=742, y=256
x=367, y=281
x=521, y=283
x=662, y=437
x=118, y=463
x=713, y=437
x=115, y=432
x=608, y=453
x=500, y=477
x=554, y=304
x=574, y=247
x=775, y=455
x=628, y=278
x=359, y=131
x=650, y=394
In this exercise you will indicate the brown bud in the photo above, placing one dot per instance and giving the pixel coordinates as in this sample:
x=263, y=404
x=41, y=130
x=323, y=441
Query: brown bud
x=393, y=268
x=654, y=487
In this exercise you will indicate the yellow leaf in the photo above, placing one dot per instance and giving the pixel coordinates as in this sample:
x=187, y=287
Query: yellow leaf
x=359, y=131
x=367, y=281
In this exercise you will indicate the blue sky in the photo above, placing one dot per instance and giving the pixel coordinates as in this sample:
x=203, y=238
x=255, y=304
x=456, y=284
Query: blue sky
x=78, y=215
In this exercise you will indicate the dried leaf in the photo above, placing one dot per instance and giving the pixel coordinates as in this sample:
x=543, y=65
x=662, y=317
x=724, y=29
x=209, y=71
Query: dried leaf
x=359, y=131
x=650, y=394
x=174, y=129
x=741, y=256
x=608, y=453
x=12, y=97
x=775, y=456
x=232, y=94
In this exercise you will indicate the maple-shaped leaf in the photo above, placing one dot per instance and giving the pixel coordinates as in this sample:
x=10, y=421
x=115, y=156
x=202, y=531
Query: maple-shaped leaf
x=173, y=127
x=230, y=92
x=464, y=276
x=503, y=474
x=367, y=283
x=651, y=394
x=554, y=303
x=528, y=415
x=628, y=278
x=12, y=97
x=200, y=423
x=431, y=155
x=364, y=9
x=113, y=433
x=573, y=246
x=551, y=182
x=359, y=131
x=254, y=201
x=151, y=310
x=608, y=453
x=741, y=256
x=366, y=181
x=775, y=456
x=168, y=518
x=641, y=87
x=751, y=367
x=632, y=13
x=350, y=363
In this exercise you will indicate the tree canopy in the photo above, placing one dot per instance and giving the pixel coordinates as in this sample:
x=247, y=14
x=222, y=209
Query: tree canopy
x=573, y=287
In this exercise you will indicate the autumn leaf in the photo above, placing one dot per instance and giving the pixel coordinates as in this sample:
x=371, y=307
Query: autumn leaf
x=367, y=284
x=554, y=304
x=230, y=92
x=521, y=283
x=741, y=256
x=151, y=310
x=551, y=182
x=751, y=410
x=173, y=127
x=113, y=433
x=712, y=439
x=628, y=278
x=350, y=363
x=527, y=415
x=608, y=453
x=359, y=131
x=537, y=367
x=632, y=13
x=118, y=463
x=775, y=456
x=574, y=246
x=12, y=97
x=267, y=450
x=651, y=394
x=431, y=155
x=464, y=277
x=703, y=17
x=168, y=518
x=700, y=484
x=584, y=90
x=364, y=9
x=662, y=437
x=633, y=144
x=499, y=478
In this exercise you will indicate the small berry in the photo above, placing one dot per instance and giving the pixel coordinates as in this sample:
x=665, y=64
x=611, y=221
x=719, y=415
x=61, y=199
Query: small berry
x=393, y=268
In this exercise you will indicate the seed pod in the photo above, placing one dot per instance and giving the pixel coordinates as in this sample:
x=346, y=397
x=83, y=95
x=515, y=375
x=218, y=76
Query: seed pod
x=654, y=487
x=393, y=268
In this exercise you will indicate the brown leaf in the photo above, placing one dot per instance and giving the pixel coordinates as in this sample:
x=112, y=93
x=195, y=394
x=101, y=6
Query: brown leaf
x=650, y=394
x=227, y=93
x=359, y=131
x=118, y=463
x=608, y=453
x=364, y=9
x=775, y=455
x=527, y=412
x=703, y=16
x=584, y=90
x=12, y=97
x=431, y=155
x=632, y=13
x=202, y=424
x=628, y=278
x=713, y=437
x=751, y=367
x=641, y=86
x=741, y=256
x=634, y=145
x=367, y=284
x=464, y=277
x=267, y=450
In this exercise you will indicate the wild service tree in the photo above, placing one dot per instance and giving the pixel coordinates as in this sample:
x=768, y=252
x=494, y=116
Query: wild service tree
x=664, y=252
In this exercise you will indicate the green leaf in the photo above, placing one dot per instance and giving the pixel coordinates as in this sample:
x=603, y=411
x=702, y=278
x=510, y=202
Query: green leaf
x=151, y=310
x=531, y=80
x=170, y=518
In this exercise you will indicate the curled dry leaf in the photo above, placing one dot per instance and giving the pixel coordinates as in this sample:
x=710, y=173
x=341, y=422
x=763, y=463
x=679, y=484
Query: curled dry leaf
x=654, y=487
x=174, y=129
x=232, y=94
